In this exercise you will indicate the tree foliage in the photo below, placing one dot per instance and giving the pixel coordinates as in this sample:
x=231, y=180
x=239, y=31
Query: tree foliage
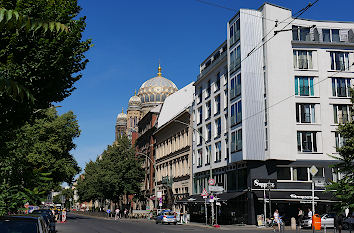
x=344, y=187
x=38, y=159
x=115, y=173
x=45, y=64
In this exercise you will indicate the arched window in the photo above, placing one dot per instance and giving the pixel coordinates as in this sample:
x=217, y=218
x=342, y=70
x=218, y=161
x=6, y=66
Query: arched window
x=163, y=97
x=152, y=98
x=158, y=97
x=142, y=99
x=146, y=98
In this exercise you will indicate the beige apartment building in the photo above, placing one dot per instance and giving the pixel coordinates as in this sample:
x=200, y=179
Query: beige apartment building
x=173, y=145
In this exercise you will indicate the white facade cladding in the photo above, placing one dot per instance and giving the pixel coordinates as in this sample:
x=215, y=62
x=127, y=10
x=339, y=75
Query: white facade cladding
x=210, y=146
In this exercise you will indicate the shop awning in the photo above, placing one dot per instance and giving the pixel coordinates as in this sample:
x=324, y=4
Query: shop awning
x=297, y=196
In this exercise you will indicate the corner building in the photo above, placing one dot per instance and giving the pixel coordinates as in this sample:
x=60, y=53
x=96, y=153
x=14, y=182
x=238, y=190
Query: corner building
x=285, y=101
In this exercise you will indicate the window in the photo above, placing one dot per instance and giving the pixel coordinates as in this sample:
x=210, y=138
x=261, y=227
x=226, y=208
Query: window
x=334, y=35
x=341, y=87
x=200, y=135
x=235, y=32
x=200, y=157
x=305, y=113
x=218, y=152
x=200, y=94
x=236, y=113
x=337, y=175
x=208, y=129
x=208, y=89
x=341, y=113
x=208, y=150
x=302, y=59
x=217, y=82
x=208, y=110
x=235, y=58
x=266, y=138
x=236, y=140
x=200, y=114
x=339, y=60
x=340, y=141
x=306, y=141
x=225, y=99
x=304, y=86
x=300, y=174
x=217, y=104
x=235, y=89
x=283, y=173
x=152, y=98
x=301, y=33
x=218, y=127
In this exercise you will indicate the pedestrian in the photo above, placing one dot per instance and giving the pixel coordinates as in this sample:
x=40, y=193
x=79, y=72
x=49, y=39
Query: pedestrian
x=276, y=218
x=309, y=214
x=300, y=216
x=125, y=212
x=117, y=214
x=338, y=223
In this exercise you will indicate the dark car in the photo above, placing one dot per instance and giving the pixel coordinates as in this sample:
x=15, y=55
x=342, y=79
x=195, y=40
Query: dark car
x=22, y=224
x=348, y=223
x=49, y=215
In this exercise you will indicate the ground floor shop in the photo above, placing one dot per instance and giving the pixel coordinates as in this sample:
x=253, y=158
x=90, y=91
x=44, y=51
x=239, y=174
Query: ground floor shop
x=289, y=187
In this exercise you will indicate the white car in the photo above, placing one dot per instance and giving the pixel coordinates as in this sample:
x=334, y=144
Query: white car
x=327, y=220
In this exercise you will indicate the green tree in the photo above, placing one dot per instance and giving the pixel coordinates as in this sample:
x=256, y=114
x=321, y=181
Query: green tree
x=344, y=187
x=116, y=173
x=39, y=159
x=45, y=64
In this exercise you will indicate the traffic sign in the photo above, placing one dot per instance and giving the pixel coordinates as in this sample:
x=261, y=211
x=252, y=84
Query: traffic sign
x=211, y=181
x=211, y=198
x=204, y=193
x=319, y=181
x=313, y=170
x=108, y=211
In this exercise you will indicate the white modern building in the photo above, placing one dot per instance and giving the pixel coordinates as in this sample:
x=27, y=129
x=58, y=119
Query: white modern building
x=286, y=96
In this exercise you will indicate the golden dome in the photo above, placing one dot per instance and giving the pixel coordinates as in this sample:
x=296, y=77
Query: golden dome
x=121, y=118
x=134, y=102
x=156, y=89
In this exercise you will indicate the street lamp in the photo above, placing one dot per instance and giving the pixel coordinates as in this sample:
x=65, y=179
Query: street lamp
x=155, y=181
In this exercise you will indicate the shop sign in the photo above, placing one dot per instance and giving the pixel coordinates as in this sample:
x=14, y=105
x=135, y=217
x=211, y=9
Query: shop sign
x=216, y=188
x=303, y=197
x=264, y=183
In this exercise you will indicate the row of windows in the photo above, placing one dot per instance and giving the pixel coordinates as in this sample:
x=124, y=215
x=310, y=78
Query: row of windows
x=217, y=155
x=307, y=141
x=235, y=32
x=208, y=109
x=321, y=34
x=303, y=174
x=176, y=167
x=217, y=85
x=208, y=129
x=304, y=86
x=303, y=60
x=173, y=144
x=153, y=97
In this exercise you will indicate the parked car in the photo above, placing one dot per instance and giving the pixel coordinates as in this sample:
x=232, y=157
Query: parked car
x=166, y=217
x=22, y=224
x=327, y=220
x=348, y=222
x=50, y=216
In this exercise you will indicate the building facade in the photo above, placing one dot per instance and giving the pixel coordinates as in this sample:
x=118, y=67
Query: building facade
x=173, y=145
x=286, y=97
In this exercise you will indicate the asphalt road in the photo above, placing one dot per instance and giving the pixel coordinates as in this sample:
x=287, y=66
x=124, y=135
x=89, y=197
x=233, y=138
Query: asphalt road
x=83, y=224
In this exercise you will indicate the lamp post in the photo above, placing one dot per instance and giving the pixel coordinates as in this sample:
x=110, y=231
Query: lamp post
x=153, y=164
x=210, y=168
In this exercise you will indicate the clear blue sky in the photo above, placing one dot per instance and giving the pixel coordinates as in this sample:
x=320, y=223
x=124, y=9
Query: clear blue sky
x=130, y=37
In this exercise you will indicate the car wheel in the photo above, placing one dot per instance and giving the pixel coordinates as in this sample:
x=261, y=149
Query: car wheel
x=345, y=226
x=156, y=222
x=175, y=223
x=168, y=223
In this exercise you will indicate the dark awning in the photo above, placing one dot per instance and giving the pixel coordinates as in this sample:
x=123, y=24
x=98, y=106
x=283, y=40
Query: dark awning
x=297, y=196
x=197, y=198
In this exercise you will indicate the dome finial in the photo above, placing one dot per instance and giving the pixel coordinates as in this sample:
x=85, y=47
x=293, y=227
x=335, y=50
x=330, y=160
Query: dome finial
x=135, y=92
x=122, y=110
x=159, y=69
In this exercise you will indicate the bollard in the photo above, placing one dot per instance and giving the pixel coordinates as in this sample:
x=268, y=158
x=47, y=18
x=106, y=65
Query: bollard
x=293, y=223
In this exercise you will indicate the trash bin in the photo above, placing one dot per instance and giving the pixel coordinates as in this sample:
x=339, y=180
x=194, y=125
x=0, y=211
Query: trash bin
x=316, y=222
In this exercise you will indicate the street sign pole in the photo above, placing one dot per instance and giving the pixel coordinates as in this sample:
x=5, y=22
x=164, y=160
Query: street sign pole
x=206, y=211
x=212, y=213
x=313, y=172
x=265, y=204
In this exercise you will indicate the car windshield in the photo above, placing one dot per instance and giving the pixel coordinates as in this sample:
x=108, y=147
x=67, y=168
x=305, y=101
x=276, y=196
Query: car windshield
x=14, y=226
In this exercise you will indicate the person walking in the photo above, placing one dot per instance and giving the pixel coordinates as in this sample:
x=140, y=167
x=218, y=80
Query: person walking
x=276, y=219
x=309, y=214
x=338, y=223
x=125, y=213
x=300, y=216
x=117, y=214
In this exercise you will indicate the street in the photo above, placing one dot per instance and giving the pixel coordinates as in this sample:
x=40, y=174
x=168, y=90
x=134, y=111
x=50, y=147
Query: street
x=78, y=223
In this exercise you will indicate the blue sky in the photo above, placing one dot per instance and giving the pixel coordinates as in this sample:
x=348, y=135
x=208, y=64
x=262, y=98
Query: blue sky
x=130, y=37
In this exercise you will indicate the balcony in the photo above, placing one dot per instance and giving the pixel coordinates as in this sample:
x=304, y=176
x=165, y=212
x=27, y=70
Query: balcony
x=211, y=65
